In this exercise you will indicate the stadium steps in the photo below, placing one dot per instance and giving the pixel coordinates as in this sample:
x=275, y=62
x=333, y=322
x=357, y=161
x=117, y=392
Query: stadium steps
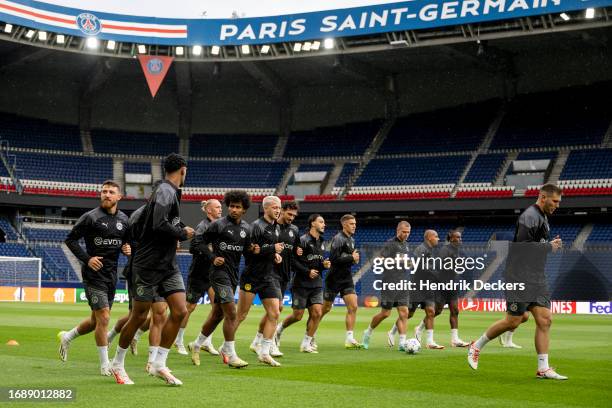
x=156, y=171
x=486, y=143
x=464, y=174
x=333, y=177
x=282, y=187
x=279, y=149
x=369, y=154
x=86, y=141
x=499, y=181
x=582, y=237
x=558, y=166
x=74, y=262
x=607, y=140
x=119, y=171
x=4, y=156
x=183, y=146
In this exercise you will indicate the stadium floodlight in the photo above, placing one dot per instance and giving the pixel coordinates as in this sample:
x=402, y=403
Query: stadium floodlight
x=215, y=50
x=297, y=47
x=8, y=28
x=110, y=45
x=246, y=50
x=30, y=34
x=265, y=49
x=142, y=49
x=307, y=46
x=180, y=51
x=590, y=13
x=92, y=43
x=565, y=17
x=60, y=39
x=42, y=36
x=316, y=45
x=328, y=43
x=196, y=50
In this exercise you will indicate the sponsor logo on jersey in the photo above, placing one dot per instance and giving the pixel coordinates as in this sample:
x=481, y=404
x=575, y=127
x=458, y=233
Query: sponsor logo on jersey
x=99, y=241
x=224, y=246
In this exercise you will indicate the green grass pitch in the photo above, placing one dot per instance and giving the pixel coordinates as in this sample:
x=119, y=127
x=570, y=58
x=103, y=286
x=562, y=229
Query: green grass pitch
x=581, y=348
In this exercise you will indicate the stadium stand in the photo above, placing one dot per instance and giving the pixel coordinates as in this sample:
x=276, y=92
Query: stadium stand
x=241, y=145
x=133, y=143
x=30, y=133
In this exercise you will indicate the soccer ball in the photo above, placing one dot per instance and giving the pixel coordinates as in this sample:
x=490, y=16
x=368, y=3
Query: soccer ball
x=412, y=346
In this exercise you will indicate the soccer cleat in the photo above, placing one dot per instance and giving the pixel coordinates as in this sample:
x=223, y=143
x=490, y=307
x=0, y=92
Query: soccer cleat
x=121, y=376
x=314, y=344
x=105, y=369
x=224, y=357
x=459, y=343
x=195, y=353
x=63, y=346
x=390, y=339
x=277, y=334
x=255, y=348
x=165, y=374
x=402, y=348
x=210, y=349
x=352, y=345
x=134, y=347
x=550, y=374
x=149, y=368
x=418, y=333
x=237, y=362
x=274, y=351
x=473, y=355
x=180, y=348
x=267, y=359
x=307, y=348
x=366, y=340
x=435, y=346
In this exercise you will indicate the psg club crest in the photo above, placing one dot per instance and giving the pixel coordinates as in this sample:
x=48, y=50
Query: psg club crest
x=89, y=24
x=155, y=66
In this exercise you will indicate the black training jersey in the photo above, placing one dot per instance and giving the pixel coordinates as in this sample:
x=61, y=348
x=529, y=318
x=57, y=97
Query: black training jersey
x=424, y=269
x=261, y=267
x=341, y=257
x=312, y=257
x=161, y=229
x=202, y=255
x=103, y=234
x=290, y=237
x=229, y=241
x=391, y=249
x=532, y=226
x=134, y=229
x=453, y=251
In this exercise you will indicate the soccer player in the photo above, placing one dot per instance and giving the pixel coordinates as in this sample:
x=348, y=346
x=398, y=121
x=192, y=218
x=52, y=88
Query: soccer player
x=532, y=236
x=262, y=277
x=290, y=237
x=396, y=246
x=230, y=238
x=198, y=283
x=155, y=271
x=307, y=287
x=339, y=280
x=103, y=229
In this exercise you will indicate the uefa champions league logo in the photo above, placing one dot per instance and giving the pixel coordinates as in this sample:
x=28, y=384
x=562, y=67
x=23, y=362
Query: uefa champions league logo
x=89, y=24
x=155, y=66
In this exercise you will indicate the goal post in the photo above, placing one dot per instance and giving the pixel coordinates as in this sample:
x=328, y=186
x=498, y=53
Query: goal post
x=20, y=272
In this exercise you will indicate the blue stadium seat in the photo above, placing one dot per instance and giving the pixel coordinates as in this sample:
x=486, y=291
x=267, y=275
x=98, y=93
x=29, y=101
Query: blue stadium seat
x=133, y=143
x=235, y=174
x=347, y=171
x=232, y=145
x=61, y=168
x=39, y=134
x=588, y=164
x=315, y=167
x=485, y=168
x=137, y=167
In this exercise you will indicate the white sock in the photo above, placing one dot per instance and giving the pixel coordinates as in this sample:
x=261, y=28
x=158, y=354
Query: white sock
x=152, y=353
x=430, y=339
x=280, y=328
x=482, y=341
x=421, y=326
x=509, y=335
x=162, y=356
x=394, y=329
x=543, y=362
x=179, y=336
x=265, y=346
x=369, y=330
x=228, y=347
x=306, y=340
x=454, y=334
x=402, y=339
x=201, y=340
x=258, y=338
x=119, y=356
x=349, y=336
x=138, y=334
x=71, y=335
x=111, y=335
x=103, y=354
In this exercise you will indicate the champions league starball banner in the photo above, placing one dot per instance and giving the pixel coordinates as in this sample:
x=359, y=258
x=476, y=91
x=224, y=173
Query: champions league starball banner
x=193, y=22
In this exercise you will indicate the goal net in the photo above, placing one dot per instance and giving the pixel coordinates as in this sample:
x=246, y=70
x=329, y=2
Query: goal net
x=18, y=272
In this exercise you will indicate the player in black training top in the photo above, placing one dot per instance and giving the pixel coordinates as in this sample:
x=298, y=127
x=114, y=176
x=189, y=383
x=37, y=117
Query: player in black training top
x=198, y=283
x=261, y=275
x=230, y=238
x=103, y=229
x=396, y=246
x=307, y=286
x=290, y=237
x=339, y=280
x=532, y=236
x=154, y=269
